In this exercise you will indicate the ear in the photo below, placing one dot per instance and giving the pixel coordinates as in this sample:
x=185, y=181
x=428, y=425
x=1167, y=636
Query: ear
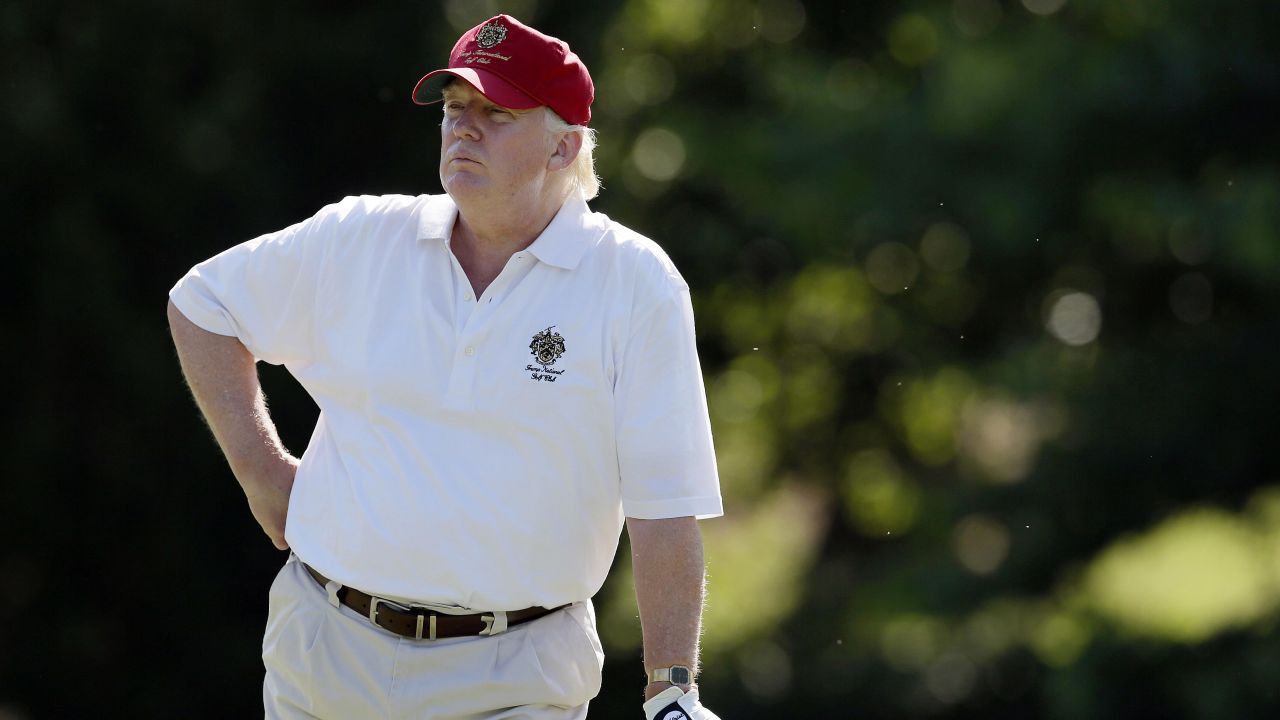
x=565, y=151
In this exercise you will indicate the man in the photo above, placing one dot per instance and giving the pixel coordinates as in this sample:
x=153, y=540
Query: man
x=502, y=377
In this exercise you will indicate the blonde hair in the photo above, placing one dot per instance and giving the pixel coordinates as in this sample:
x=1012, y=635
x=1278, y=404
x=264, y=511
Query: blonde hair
x=582, y=176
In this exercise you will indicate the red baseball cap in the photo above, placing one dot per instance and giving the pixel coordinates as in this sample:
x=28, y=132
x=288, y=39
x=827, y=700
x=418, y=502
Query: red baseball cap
x=517, y=67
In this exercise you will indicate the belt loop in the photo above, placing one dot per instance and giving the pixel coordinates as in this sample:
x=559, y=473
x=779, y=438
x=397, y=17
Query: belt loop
x=495, y=623
x=331, y=588
x=429, y=618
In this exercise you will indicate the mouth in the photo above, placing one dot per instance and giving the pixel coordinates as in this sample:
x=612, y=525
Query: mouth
x=462, y=157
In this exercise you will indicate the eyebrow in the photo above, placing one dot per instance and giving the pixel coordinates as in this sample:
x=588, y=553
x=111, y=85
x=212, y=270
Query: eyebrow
x=448, y=93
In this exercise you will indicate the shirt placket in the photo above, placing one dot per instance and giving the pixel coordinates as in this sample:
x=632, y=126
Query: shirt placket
x=474, y=316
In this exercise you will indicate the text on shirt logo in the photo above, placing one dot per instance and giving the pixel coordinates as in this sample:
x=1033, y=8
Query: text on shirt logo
x=546, y=348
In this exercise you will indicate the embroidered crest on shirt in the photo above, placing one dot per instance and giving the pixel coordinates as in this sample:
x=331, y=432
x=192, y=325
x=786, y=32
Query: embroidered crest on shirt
x=546, y=348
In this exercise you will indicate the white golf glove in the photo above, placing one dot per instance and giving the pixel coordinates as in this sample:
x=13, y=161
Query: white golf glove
x=676, y=704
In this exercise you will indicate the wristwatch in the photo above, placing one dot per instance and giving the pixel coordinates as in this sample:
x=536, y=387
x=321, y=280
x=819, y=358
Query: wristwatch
x=676, y=675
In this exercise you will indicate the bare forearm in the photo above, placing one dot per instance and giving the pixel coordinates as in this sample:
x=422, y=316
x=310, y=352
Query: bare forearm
x=224, y=380
x=667, y=561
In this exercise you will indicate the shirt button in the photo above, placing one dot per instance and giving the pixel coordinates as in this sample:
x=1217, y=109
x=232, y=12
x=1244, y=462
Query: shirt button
x=468, y=297
x=471, y=350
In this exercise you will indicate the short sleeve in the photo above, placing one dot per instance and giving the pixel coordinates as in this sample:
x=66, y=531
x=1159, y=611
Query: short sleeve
x=665, y=454
x=263, y=291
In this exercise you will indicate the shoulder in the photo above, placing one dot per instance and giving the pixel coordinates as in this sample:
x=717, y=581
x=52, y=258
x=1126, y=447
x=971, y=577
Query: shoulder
x=356, y=208
x=365, y=220
x=637, y=257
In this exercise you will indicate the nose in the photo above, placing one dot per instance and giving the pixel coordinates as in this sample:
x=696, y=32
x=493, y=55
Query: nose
x=465, y=125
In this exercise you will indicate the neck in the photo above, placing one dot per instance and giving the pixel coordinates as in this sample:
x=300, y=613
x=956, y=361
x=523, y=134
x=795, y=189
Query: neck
x=501, y=231
x=483, y=241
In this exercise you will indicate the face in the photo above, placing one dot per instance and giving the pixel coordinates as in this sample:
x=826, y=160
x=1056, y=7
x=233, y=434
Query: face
x=491, y=154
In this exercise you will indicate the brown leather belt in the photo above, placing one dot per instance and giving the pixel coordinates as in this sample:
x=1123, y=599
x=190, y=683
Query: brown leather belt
x=422, y=623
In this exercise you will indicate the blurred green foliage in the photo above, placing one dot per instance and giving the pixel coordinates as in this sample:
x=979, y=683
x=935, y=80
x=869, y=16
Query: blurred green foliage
x=987, y=299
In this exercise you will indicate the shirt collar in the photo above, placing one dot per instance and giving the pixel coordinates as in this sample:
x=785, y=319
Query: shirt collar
x=435, y=220
x=566, y=238
x=562, y=243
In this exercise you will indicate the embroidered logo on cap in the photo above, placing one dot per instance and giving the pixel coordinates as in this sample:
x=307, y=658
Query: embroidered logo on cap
x=546, y=348
x=491, y=34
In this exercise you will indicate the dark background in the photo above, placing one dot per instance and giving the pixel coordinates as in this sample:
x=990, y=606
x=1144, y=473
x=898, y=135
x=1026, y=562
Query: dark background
x=987, y=302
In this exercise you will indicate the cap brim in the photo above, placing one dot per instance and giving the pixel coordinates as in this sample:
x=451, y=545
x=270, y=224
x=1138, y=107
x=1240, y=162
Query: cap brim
x=501, y=92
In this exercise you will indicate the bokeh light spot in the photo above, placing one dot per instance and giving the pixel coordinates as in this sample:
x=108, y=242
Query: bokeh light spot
x=811, y=388
x=879, y=497
x=1059, y=638
x=945, y=247
x=950, y=678
x=678, y=21
x=1187, y=243
x=658, y=154
x=780, y=21
x=911, y=642
x=891, y=267
x=981, y=543
x=832, y=307
x=976, y=18
x=929, y=413
x=1075, y=318
x=1191, y=577
x=758, y=562
x=1044, y=7
x=649, y=79
x=1003, y=436
x=913, y=40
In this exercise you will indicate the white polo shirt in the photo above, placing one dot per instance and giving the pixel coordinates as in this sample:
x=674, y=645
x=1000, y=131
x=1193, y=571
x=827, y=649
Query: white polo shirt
x=479, y=452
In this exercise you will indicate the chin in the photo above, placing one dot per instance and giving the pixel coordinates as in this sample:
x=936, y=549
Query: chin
x=464, y=185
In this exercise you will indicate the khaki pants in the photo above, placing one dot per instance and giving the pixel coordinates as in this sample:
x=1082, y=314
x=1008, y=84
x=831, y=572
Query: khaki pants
x=329, y=662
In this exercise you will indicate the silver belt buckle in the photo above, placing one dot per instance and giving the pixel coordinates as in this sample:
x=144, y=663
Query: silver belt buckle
x=374, y=601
